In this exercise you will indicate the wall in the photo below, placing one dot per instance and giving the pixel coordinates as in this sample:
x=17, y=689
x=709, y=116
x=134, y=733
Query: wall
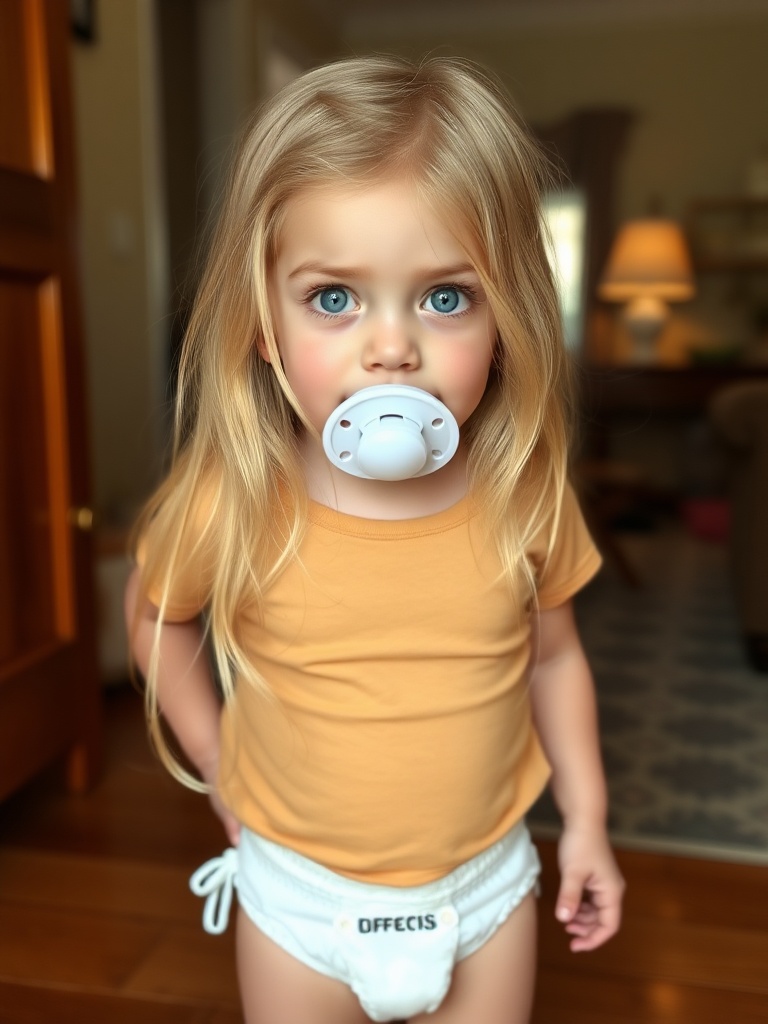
x=698, y=89
x=178, y=38
x=695, y=77
x=230, y=82
x=697, y=82
x=122, y=264
x=146, y=188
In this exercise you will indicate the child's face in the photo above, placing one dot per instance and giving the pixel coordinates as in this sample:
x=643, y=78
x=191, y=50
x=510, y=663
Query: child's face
x=370, y=287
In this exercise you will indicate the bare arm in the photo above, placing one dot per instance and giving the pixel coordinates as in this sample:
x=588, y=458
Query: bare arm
x=565, y=714
x=185, y=689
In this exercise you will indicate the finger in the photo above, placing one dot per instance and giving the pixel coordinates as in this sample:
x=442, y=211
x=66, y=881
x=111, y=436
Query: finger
x=599, y=932
x=579, y=931
x=569, y=899
x=586, y=943
x=586, y=912
x=610, y=917
x=586, y=916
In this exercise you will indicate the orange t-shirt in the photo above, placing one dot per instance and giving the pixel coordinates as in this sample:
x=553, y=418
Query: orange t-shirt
x=399, y=743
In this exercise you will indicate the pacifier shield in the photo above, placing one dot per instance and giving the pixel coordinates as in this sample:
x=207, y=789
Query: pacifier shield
x=391, y=432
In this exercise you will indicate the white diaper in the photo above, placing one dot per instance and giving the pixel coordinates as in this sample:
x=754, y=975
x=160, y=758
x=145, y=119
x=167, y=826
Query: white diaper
x=395, y=947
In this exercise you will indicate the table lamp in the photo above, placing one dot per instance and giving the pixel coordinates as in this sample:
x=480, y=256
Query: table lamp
x=648, y=267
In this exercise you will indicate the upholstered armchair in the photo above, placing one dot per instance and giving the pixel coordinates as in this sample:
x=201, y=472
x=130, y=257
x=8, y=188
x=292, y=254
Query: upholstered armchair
x=740, y=417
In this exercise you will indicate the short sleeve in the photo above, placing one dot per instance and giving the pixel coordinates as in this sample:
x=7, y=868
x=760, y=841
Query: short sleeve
x=573, y=560
x=189, y=551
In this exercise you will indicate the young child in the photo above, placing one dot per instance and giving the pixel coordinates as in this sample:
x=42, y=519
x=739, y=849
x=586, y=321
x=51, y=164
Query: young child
x=369, y=520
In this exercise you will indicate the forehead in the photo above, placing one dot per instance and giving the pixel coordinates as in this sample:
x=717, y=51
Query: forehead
x=338, y=215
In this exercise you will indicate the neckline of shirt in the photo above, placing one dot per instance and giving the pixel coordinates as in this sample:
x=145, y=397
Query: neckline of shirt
x=391, y=529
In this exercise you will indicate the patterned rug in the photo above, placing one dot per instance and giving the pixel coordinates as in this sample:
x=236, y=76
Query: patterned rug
x=683, y=717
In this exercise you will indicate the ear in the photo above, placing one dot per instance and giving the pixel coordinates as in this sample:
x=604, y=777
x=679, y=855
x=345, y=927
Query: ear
x=261, y=348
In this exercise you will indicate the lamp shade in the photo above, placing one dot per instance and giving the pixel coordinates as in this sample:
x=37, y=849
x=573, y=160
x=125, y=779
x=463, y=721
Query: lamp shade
x=649, y=258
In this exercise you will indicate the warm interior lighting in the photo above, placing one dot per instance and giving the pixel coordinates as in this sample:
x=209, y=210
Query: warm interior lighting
x=647, y=268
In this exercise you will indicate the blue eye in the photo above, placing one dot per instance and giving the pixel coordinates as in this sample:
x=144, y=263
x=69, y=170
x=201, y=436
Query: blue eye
x=446, y=300
x=332, y=300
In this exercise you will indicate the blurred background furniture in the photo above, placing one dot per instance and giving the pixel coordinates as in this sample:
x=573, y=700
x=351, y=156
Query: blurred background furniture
x=648, y=267
x=610, y=489
x=739, y=414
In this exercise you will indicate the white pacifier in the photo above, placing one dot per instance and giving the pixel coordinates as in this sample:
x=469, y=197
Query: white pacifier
x=391, y=432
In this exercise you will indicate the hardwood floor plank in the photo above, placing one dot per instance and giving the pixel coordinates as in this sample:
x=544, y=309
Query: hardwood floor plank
x=671, y=951
x=30, y=1004
x=137, y=812
x=571, y=997
x=71, y=947
x=132, y=815
x=688, y=922
x=189, y=964
x=670, y=888
x=85, y=883
x=225, y=1017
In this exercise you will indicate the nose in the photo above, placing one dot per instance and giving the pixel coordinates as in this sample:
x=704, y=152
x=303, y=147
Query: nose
x=391, y=346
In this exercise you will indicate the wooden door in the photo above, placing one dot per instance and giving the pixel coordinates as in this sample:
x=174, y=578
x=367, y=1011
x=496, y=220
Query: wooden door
x=49, y=691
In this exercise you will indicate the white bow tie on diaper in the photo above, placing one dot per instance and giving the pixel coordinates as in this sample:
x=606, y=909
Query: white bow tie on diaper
x=215, y=881
x=391, y=432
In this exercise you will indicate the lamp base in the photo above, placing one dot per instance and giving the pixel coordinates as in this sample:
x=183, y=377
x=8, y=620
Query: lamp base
x=644, y=318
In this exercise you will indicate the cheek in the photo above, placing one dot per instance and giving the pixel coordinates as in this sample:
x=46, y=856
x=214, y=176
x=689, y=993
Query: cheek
x=304, y=374
x=315, y=380
x=469, y=368
x=309, y=360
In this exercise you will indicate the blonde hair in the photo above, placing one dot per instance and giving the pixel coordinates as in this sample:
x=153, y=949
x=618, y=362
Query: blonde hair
x=235, y=485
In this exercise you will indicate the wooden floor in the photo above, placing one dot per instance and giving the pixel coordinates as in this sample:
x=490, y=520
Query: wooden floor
x=97, y=925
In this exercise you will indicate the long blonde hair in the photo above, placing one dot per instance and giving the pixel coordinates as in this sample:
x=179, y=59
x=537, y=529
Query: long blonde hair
x=235, y=485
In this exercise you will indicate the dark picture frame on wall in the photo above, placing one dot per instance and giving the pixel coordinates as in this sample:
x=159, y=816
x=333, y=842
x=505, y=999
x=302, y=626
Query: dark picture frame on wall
x=82, y=18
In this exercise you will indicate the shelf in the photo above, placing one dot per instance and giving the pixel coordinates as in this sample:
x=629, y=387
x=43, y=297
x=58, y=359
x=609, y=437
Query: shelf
x=732, y=264
x=743, y=204
x=678, y=391
x=729, y=234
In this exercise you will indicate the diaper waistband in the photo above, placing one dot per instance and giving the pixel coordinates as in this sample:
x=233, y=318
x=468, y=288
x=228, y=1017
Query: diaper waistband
x=314, y=878
x=216, y=880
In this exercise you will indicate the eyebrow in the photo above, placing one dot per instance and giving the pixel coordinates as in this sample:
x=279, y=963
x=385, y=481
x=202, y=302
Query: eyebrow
x=347, y=273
